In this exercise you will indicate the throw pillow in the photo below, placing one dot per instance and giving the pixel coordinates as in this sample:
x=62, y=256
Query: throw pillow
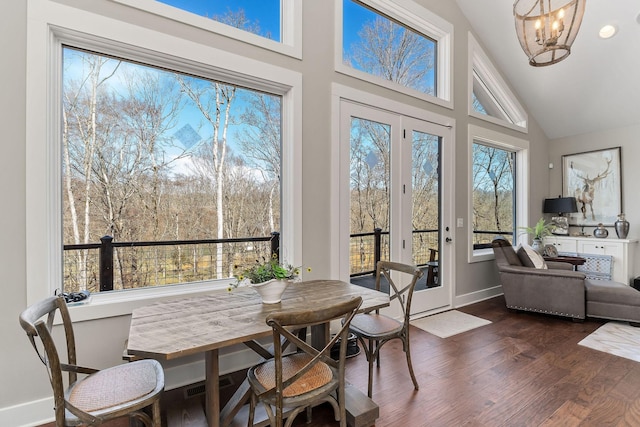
x=530, y=258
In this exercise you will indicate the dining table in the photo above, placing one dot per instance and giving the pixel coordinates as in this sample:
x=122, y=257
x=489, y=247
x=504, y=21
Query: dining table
x=204, y=324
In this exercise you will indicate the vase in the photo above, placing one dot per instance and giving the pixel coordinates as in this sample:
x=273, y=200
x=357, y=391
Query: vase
x=537, y=245
x=271, y=291
x=622, y=227
x=600, y=231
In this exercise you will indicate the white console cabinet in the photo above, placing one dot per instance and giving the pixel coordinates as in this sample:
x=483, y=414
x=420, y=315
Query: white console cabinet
x=622, y=252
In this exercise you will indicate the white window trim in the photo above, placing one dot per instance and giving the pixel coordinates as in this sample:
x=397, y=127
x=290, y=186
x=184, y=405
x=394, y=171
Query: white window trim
x=50, y=24
x=291, y=25
x=424, y=21
x=506, y=142
x=491, y=78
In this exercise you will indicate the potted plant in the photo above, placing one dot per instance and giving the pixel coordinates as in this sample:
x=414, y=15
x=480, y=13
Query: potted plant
x=538, y=232
x=269, y=278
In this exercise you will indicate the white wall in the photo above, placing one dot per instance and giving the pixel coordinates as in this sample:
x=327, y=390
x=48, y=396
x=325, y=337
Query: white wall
x=24, y=388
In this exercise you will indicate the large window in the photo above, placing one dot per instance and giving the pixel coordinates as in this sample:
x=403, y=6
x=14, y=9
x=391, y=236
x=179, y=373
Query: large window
x=404, y=49
x=144, y=140
x=151, y=155
x=375, y=44
x=498, y=188
x=490, y=97
x=494, y=172
x=271, y=24
x=261, y=18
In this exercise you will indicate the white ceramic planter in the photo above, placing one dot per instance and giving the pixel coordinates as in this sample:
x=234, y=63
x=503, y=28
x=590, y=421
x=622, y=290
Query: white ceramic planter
x=271, y=291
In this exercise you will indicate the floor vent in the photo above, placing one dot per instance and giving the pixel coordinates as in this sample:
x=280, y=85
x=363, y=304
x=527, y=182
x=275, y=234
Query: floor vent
x=198, y=389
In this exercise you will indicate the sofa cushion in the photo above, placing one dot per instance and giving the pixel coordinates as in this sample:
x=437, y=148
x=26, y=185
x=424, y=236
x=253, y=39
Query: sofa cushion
x=504, y=252
x=530, y=258
x=611, y=292
x=611, y=300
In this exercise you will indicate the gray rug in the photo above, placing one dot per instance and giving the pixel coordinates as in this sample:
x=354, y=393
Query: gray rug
x=449, y=323
x=618, y=338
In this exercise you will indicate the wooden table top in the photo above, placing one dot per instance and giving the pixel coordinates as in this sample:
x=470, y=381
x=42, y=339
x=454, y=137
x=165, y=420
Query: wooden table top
x=181, y=327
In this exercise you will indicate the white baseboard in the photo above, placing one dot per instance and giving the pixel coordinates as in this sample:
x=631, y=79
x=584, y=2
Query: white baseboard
x=28, y=414
x=474, y=297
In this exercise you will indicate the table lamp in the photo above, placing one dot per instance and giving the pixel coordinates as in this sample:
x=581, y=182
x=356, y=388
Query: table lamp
x=560, y=206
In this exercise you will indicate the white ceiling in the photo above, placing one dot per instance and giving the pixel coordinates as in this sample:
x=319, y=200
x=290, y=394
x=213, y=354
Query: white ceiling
x=596, y=87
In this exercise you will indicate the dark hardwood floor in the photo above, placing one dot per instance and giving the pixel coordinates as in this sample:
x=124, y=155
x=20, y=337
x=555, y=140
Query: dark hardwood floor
x=521, y=370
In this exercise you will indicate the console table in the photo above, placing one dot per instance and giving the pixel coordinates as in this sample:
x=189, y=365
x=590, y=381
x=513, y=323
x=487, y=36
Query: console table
x=622, y=252
x=573, y=260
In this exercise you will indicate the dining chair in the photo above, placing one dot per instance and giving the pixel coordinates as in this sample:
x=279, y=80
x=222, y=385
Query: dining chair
x=308, y=376
x=374, y=329
x=101, y=395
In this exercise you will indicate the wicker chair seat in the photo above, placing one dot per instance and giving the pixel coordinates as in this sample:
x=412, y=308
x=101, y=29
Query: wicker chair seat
x=114, y=386
x=319, y=375
x=376, y=326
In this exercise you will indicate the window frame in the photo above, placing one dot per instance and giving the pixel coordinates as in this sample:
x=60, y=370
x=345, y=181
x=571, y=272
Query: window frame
x=497, y=88
x=423, y=21
x=51, y=25
x=509, y=143
x=290, y=25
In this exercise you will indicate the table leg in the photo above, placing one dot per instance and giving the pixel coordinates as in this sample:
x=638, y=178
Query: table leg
x=212, y=378
x=320, y=336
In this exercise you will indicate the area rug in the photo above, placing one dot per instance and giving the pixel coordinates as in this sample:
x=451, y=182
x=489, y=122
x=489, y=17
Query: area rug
x=618, y=338
x=449, y=323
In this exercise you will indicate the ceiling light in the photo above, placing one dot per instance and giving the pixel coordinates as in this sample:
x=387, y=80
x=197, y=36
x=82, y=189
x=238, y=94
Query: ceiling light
x=546, y=29
x=607, y=31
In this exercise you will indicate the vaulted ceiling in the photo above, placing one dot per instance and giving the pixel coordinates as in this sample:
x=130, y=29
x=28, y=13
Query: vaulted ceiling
x=596, y=87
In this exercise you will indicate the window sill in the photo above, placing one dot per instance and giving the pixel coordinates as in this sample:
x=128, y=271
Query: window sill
x=122, y=303
x=481, y=255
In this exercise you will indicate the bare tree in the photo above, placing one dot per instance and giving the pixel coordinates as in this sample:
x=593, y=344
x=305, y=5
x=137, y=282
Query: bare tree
x=395, y=53
x=261, y=142
x=214, y=101
x=493, y=178
x=370, y=172
x=80, y=139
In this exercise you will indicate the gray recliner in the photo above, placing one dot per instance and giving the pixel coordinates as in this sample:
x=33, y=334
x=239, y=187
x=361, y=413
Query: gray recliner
x=557, y=290
x=561, y=291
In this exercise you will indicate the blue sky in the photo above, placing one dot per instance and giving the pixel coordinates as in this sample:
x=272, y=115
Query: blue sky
x=265, y=12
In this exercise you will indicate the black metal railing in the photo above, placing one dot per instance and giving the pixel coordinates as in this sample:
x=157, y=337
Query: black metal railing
x=110, y=265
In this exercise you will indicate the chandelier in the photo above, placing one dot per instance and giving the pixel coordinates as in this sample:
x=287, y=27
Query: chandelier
x=547, y=28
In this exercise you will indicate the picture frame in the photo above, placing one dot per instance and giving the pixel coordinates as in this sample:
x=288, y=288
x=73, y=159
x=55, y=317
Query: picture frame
x=594, y=178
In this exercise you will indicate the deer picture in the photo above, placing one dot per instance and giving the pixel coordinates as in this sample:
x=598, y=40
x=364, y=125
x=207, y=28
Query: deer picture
x=586, y=193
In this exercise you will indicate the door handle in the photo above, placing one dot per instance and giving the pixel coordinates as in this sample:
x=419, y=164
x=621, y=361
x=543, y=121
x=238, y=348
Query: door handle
x=448, y=240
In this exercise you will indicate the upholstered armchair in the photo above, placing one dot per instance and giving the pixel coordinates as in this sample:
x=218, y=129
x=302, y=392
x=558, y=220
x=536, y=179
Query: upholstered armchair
x=556, y=289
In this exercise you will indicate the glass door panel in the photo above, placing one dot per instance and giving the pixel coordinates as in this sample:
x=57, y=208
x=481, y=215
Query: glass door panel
x=370, y=183
x=425, y=203
x=428, y=211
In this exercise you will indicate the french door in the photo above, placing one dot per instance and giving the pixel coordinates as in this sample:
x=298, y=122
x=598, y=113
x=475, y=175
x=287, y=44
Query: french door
x=398, y=198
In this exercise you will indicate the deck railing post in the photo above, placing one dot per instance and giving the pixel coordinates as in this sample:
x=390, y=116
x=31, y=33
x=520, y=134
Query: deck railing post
x=275, y=245
x=106, y=263
x=377, y=247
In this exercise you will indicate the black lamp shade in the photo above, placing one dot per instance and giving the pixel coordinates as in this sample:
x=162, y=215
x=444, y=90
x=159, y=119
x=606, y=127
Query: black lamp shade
x=560, y=205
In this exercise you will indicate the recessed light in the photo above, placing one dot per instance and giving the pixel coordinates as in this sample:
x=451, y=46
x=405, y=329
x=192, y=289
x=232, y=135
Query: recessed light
x=607, y=31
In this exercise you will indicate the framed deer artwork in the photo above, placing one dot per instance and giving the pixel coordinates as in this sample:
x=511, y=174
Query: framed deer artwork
x=594, y=178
